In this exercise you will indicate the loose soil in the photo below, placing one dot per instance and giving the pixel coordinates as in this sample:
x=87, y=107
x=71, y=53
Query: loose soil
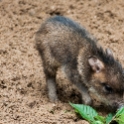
x=23, y=94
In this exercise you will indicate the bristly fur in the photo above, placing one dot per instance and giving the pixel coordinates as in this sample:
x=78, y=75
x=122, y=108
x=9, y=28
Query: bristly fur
x=63, y=43
x=113, y=66
x=102, y=54
x=98, y=51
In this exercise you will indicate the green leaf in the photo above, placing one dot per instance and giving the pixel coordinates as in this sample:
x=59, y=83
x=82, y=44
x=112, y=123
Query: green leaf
x=109, y=118
x=100, y=118
x=89, y=114
x=86, y=112
x=119, y=116
x=120, y=111
x=98, y=122
x=121, y=119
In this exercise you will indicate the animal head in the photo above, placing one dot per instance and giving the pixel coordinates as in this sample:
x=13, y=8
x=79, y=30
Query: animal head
x=107, y=80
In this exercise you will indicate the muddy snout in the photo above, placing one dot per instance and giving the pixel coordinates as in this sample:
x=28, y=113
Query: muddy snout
x=120, y=105
x=117, y=103
x=111, y=104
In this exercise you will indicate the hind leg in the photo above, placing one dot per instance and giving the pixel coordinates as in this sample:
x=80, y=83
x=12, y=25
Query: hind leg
x=50, y=69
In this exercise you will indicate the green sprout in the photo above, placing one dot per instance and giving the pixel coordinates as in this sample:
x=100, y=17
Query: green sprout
x=90, y=114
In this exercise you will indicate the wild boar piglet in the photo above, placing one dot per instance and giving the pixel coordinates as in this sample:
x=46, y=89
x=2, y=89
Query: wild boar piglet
x=63, y=43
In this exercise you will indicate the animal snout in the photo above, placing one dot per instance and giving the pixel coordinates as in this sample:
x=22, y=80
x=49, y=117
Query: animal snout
x=118, y=105
x=121, y=104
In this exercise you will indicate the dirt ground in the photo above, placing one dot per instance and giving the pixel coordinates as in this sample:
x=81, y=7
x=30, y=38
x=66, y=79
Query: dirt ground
x=23, y=94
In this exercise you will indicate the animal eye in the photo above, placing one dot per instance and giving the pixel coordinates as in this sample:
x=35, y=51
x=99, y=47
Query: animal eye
x=107, y=88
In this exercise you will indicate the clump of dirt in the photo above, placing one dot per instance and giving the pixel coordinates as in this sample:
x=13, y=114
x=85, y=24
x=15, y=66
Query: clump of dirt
x=23, y=94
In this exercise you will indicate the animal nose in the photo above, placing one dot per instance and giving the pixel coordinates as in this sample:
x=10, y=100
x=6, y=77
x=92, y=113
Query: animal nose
x=117, y=105
x=121, y=104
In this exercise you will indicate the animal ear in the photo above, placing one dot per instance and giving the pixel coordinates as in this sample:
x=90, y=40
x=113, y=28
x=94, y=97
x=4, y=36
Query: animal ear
x=96, y=64
x=109, y=52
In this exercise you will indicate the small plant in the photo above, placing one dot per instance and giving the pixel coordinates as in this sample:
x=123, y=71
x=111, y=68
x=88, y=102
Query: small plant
x=89, y=114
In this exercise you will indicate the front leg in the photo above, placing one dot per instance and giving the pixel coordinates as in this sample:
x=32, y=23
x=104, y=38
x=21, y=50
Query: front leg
x=51, y=85
x=74, y=77
x=86, y=99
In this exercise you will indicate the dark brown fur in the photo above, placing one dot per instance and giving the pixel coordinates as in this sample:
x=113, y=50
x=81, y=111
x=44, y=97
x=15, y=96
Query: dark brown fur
x=63, y=43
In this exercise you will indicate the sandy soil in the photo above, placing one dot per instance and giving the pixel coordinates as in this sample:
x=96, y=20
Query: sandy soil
x=23, y=94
